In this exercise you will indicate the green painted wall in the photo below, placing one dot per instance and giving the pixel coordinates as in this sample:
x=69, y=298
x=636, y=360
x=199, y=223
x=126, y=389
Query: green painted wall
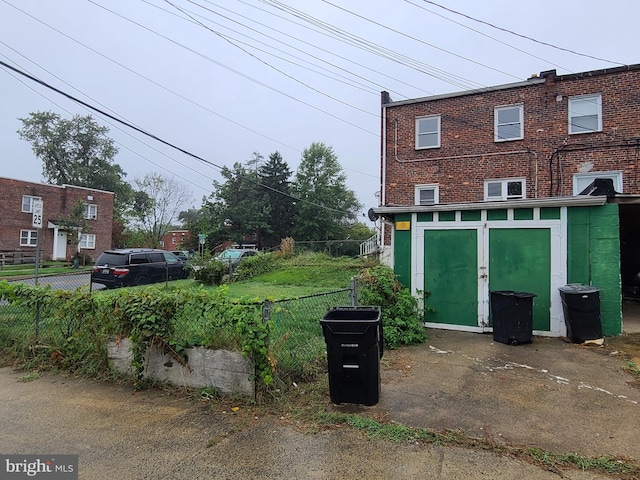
x=593, y=258
x=402, y=251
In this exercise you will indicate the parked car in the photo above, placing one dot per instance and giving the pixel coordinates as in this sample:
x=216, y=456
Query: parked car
x=137, y=266
x=231, y=257
x=181, y=254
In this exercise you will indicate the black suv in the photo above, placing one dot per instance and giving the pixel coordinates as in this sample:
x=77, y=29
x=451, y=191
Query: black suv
x=137, y=266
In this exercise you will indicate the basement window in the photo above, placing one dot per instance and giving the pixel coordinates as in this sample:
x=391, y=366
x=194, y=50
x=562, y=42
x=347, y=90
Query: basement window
x=426, y=194
x=504, y=189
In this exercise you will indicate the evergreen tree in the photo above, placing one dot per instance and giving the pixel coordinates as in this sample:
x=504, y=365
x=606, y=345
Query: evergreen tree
x=276, y=190
x=328, y=206
x=238, y=206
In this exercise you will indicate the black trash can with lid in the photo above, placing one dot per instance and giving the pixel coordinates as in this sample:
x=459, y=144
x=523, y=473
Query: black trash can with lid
x=581, y=308
x=512, y=314
x=354, y=347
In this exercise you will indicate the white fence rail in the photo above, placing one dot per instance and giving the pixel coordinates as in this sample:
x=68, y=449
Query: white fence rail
x=369, y=246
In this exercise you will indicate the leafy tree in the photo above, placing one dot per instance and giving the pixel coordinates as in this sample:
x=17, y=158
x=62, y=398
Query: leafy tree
x=235, y=206
x=77, y=152
x=328, y=206
x=275, y=177
x=157, y=203
x=76, y=223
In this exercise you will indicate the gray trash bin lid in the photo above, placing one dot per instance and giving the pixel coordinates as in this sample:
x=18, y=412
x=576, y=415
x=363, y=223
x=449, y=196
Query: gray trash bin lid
x=578, y=289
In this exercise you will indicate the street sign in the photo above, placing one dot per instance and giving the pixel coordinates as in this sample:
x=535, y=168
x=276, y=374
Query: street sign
x=202, y=238
x=37, y=213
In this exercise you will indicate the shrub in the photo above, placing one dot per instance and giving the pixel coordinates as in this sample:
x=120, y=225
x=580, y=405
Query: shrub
x=255, y=265
x=208, y=271
x=402, y=317
x=287, y=246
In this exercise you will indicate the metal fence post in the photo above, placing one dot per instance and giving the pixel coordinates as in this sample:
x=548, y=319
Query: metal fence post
x=353, y=294
x=266, y=311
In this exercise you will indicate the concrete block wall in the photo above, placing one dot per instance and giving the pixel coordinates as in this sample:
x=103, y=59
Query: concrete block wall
x=228, y=372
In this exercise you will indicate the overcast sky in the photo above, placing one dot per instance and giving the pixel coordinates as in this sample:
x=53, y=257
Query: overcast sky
x=225, y=78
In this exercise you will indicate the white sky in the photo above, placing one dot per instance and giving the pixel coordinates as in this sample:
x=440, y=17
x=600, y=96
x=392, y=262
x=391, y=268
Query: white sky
x=289, y=84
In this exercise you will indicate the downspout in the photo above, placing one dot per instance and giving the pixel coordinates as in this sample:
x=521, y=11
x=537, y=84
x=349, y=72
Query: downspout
x=383, y=169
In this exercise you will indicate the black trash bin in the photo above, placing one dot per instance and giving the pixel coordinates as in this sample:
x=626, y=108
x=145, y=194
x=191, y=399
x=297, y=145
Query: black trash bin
x=581, y=308
x=354, y=347
x=512, y=314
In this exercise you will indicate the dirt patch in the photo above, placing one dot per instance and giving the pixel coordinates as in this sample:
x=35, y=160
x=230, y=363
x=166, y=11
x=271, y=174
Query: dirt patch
x=627, y=345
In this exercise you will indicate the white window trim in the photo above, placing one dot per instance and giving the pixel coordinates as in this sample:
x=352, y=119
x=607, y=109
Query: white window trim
x=427, y=186
x=520, y=108
x=504, y=182
x=32, y=198
x=32, y=235
x=615, y=175
x=87, y=241
x=598, y=99
x=439, y=131
x=91, y=212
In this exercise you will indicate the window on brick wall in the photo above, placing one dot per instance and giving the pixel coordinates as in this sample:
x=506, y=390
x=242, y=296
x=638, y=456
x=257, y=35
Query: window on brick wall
x=504, y=189
x=427, y=194
x=583, y=180
x=27, y=203
x=87, y=241
x=428, y=132
x=585, y=114
x=91, y=212
x=28, y=238
x=508, y=123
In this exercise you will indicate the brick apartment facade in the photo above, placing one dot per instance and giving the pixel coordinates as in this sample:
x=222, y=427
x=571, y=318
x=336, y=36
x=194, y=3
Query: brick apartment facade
x=550, y=134
x=175, y=240
x=525, y=187
x=18, y=234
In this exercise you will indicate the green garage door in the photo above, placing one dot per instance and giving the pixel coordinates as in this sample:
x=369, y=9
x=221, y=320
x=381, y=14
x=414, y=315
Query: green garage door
x=520, y=260
x=451, y=276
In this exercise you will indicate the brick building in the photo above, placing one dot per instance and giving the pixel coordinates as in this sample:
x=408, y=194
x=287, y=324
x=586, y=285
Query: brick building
x=524, y=186
x=175, y=240
x=548, y=136
x=58, y=235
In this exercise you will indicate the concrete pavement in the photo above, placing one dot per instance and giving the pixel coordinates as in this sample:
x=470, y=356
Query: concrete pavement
x=147, y=435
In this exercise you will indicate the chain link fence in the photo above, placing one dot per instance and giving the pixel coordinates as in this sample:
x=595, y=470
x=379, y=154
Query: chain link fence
x=31, y=324
x=297, y=345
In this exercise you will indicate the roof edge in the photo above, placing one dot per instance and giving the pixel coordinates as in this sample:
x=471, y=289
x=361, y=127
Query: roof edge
x=506, y=86
x=578, y=201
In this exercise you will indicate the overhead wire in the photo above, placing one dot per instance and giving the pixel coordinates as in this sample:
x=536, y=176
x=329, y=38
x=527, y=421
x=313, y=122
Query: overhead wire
x=386, y=27
x=299, y=40
x=134, y=72
x=345, y=80
x=280, y=71
x=332, y=53
x=111, y=123
x=154, y=137
x=234, y=71
x=484, y=34
x=511, y=32
x=377, y=49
